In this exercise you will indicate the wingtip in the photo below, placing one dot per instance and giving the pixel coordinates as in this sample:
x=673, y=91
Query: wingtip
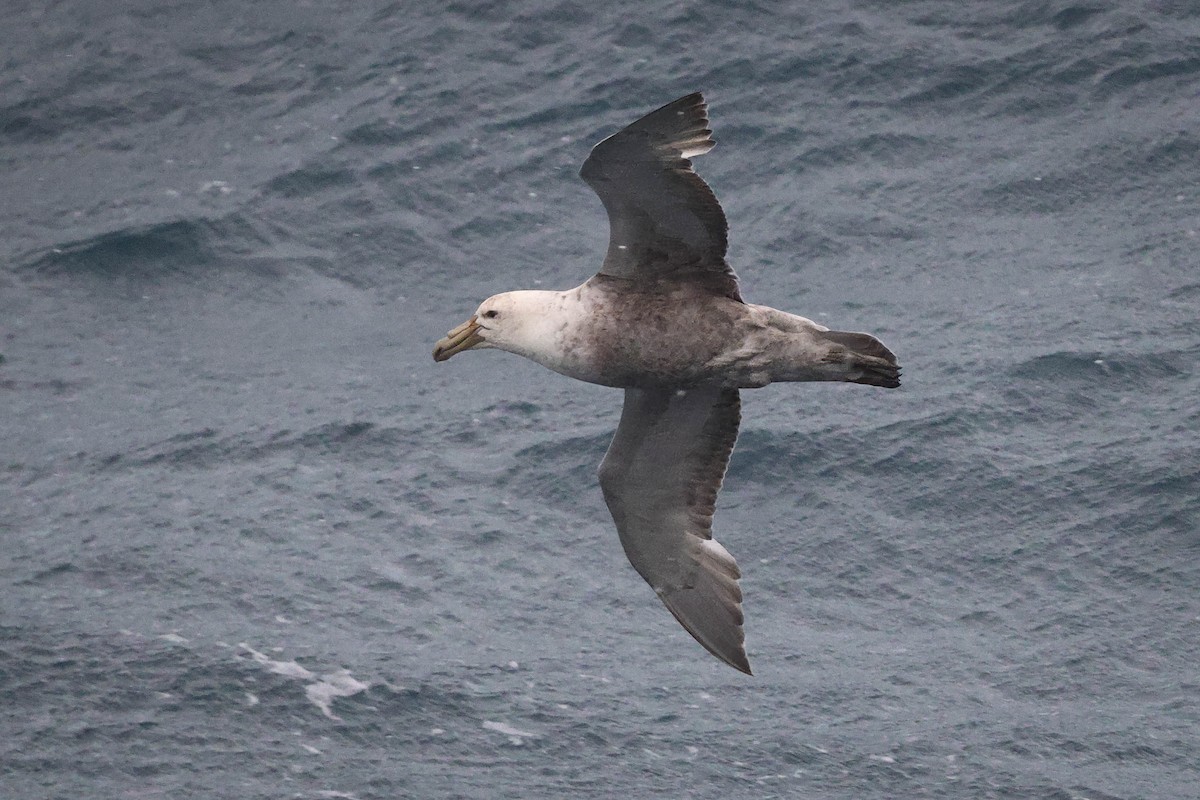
x=739, y=660
x=716, y=626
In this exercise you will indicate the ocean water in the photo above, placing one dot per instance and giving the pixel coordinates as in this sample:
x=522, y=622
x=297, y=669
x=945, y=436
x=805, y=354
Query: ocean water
x=257, y=544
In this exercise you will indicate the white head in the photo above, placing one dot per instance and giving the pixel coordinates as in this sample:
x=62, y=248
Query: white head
x=514, y=321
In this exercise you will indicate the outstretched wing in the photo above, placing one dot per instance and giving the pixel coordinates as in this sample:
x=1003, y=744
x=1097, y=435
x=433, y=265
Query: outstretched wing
x=660, y=479
x=664, y=221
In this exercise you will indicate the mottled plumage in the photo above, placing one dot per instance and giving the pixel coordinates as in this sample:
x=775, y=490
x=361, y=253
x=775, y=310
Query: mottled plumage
x=664, y=320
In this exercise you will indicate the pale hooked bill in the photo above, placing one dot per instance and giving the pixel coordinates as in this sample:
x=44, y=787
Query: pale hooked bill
x=664, y=320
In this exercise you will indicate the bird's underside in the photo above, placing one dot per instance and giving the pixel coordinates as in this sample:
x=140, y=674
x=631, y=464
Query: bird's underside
x=664, y=319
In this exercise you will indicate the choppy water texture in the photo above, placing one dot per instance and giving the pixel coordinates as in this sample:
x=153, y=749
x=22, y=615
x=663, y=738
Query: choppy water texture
x=257, y=544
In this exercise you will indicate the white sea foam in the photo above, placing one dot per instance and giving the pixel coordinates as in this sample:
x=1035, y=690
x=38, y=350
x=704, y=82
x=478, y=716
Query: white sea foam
x=289, y=669
x=322, y=690
x=331, y=686
x=515, y=735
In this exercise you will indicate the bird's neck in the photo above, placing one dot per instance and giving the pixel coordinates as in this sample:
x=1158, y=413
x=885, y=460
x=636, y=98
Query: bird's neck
x=548, y=335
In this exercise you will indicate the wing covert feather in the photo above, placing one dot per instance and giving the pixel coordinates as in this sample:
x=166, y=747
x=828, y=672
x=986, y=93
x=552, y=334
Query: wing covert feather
x=664, y=220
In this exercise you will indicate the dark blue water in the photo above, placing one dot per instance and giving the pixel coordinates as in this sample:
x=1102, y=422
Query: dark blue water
x=257, y=544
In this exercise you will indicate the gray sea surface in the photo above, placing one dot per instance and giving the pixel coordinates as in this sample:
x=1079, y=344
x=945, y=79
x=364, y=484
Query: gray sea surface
x=256, y=544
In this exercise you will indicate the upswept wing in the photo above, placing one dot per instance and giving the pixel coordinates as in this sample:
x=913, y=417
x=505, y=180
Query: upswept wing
x=664, y=221
x=660, y=479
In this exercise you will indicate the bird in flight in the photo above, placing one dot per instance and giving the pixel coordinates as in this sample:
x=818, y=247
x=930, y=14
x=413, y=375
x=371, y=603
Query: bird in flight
x=665, y=321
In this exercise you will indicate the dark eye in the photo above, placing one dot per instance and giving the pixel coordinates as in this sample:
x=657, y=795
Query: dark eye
x=492, y=314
